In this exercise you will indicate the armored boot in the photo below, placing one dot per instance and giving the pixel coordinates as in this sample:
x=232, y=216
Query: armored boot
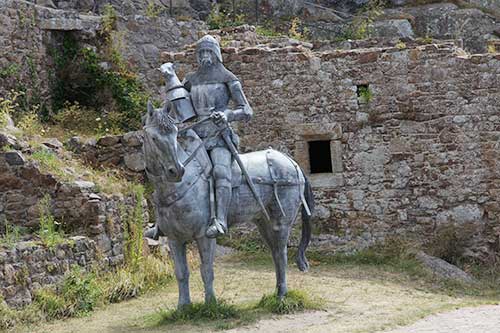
x=221, y=158
x=218, y=226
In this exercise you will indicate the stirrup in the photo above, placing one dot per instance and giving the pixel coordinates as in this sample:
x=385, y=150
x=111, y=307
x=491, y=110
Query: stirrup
x=216, y=228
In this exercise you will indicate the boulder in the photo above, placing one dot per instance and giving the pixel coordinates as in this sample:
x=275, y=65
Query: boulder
x=443, y=269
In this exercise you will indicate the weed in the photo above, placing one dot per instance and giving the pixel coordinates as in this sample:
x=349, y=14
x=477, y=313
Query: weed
x=294, y=301
x=78, y=295
x=9, y=318
x=133, y=229
x=11, y=235
x=128, y=282
x=364, y=94
x=296, y=30
x=492, y=49
x=30, y=123
x=401, y=45
x=49, y=234
x=9, y=71
x=218, y=18
x=48, y=161
x=361, y=25
x=153, y=10
x=8, y=105
x=267, y=31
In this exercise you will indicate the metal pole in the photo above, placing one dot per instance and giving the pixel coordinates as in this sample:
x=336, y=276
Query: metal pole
x=170, y=9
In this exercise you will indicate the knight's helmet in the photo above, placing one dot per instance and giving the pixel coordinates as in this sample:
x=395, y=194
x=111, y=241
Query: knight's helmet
x=177, y=95
x=208, y=42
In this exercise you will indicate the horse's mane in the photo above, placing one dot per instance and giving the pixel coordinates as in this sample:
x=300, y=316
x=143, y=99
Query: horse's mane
x=163, y=120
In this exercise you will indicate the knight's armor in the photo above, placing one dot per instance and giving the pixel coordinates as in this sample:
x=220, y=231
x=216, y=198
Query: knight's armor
x=212, y=87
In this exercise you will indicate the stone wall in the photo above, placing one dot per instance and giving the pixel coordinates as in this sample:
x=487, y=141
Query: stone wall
x=28, y=266
x=31, y=33
x=96, y=218
x=420, y=151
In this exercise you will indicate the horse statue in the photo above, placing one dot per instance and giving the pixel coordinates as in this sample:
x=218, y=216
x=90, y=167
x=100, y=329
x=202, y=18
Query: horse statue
x=180, y=169
x=266, y=187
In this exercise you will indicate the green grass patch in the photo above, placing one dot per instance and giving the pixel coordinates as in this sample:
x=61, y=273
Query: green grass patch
x=215, y=310
x=221, y=315
x=294, y=301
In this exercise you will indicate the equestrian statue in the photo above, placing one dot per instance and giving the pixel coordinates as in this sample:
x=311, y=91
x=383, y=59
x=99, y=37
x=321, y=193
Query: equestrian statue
x=203, y=185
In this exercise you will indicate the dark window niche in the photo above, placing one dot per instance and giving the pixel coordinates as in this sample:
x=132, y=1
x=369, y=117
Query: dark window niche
x=320, y=156
x=364, y=93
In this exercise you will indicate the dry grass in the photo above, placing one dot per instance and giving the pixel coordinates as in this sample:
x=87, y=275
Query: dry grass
x=358, y=298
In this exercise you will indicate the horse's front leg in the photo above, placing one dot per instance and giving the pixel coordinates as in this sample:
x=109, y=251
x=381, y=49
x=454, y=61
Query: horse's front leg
x=206, y=248
x=178, y=251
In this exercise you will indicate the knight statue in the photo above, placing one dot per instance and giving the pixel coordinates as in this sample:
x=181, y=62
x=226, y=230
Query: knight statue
x=189, y=148
x=210, y=90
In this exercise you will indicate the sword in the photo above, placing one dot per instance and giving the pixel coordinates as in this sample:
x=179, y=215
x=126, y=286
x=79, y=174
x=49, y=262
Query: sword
x=234, y=152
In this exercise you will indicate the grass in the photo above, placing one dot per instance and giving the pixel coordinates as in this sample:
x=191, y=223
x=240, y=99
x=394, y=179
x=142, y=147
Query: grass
x=221, y=315
x=294, y=301
x=68, y=169
x=385, y=297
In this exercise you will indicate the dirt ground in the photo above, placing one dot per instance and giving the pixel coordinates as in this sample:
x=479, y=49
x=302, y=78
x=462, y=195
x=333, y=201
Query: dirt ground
x=357, y=299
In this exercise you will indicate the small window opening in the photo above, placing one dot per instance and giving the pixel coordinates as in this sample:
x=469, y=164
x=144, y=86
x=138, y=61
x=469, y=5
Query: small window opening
x=320, y=156
x=364, y=93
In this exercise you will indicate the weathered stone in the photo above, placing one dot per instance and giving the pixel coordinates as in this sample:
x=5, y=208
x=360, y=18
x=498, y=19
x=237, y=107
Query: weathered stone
x=134, y=162
x=84, y=185
x=133, y=139
x=443, y=269
x=14, y=158
x=52, y=143
x=109, y=140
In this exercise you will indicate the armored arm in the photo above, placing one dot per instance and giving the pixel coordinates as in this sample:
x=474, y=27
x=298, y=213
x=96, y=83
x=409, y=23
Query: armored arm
x=243, y=111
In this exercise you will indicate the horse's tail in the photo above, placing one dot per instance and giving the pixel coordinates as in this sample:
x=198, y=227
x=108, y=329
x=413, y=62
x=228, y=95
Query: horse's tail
x=306, y=226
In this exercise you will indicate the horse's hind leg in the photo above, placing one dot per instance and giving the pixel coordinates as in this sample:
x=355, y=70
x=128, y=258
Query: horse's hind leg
x=206, y=248
x=178, y=251
x=280, y=258
x=276, y=239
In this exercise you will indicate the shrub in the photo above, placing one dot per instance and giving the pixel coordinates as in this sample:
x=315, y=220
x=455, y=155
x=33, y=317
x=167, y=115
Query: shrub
x=8, y=105
x=30, y=123
x=450, y=242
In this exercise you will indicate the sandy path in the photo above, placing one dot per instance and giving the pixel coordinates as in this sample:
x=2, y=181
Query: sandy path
x=482, y=319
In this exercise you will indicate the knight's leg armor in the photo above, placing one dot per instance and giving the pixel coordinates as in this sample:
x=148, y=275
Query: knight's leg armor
x=221, y=159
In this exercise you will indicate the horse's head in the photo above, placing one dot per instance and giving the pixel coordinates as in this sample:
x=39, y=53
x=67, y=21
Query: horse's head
x=160, y=145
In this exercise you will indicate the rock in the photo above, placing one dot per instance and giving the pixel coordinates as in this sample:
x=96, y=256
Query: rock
x=84, y=185
x=109, y=140
x=393, y=29
x=135, y=161
x=222, y=251
x=133, y=139
x=52, y=143
x=443, y=269
x=14, y=158
x=46, y=3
